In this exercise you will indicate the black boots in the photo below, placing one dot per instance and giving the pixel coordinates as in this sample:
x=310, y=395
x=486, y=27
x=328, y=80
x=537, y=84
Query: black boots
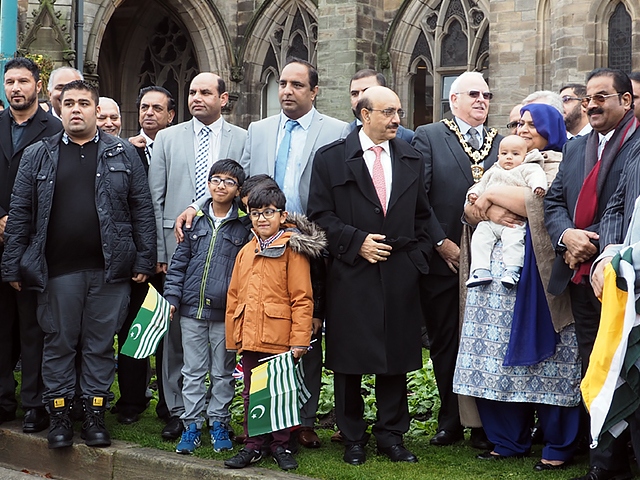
x=94, y=430
x=60, y=427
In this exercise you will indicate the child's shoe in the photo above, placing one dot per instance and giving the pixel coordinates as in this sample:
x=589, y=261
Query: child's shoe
x=190, y=440
x=479, y=277
x=510, y=278
x=243, y=458
x=220, y=437
x=284, y=459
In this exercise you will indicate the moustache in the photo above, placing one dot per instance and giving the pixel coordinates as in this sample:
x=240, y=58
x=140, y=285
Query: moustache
x=393, y=125
x=595, y=111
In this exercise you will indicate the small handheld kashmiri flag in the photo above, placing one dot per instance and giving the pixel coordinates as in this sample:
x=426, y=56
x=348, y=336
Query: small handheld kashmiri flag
x=149, y=326
x=611, y=386
x=276, y=394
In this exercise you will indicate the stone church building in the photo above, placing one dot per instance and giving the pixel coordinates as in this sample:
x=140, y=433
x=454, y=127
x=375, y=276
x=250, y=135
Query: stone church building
x=421, y=45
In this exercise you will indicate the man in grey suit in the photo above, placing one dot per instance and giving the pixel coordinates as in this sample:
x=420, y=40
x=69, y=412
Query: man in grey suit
x=284, y=146
x=180, y=154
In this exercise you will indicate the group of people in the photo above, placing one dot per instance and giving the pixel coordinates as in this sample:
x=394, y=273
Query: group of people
x=490, y=241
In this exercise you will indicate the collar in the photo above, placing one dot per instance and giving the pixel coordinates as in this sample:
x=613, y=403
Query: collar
x=66, y=139
x=26, y=122
x=266, y=243
x=586, y=130
x=215, y=127
x=606, y=137
x=464, y=127
x=367, y=143
x=146, y=137
x=304, y=121
x=219, y=219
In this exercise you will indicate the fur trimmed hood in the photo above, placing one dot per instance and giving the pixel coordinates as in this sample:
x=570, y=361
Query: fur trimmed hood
x=306, y=237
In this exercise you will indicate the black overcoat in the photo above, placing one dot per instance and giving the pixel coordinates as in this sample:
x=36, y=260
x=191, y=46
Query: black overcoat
x=373, y=317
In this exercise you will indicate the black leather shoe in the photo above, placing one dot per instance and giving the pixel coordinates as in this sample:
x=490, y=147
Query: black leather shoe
x=541, y=466
x=479, y=439
x=597, y=473
x=127, y=418
x=446, y=437
x=354, y=454
x=397, y=453
x=35, y=420
x=284, y=459
x=173, y=430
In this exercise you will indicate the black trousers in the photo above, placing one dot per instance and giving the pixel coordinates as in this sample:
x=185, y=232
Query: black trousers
x=440, y=300
x=586, y=311
x=391, y=399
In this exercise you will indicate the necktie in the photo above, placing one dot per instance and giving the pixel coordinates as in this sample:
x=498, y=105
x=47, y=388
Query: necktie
x=473, y=139
x=378, y=178
x=283, y=153
x=148, y=150
x=601, y=146
x=202, y=162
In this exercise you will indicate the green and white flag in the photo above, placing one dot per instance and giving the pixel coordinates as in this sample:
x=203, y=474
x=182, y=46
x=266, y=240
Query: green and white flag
x=149, y=326
x=276, y=394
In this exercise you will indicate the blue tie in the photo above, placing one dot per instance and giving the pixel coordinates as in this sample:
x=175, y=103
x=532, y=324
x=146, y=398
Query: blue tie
x=283, y=153
x=202, y=162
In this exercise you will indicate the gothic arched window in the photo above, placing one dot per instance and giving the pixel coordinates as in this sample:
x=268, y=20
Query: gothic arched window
x=620, y=39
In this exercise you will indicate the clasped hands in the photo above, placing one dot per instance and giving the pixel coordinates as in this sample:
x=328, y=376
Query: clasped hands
x=579, y=246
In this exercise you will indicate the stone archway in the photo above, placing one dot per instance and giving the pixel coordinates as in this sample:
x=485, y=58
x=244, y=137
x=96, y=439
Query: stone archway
x=133, y=44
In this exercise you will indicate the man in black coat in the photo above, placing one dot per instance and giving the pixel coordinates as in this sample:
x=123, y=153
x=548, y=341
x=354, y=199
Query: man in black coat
x=21, y=125
x=367, y=193
x=456, y=152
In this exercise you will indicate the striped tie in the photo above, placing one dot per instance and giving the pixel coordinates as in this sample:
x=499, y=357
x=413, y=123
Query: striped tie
x=202, y=162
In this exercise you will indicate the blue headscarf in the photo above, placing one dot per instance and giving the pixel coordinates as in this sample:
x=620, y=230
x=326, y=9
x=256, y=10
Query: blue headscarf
x=549, y=123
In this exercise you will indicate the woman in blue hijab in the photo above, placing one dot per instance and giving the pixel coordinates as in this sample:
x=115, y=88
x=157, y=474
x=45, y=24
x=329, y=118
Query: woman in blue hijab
x=518, y=353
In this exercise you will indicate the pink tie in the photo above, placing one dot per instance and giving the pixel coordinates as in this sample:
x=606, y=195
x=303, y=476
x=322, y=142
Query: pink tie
x=378, y=178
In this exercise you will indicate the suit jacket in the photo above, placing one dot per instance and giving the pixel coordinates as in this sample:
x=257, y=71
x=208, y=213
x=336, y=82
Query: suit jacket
x=43, y=125
x=617, y=215
x=403, y=133
x=259, y=155
x=560, y=201
x=172, y=175
x=373, y=315
x=447, y=179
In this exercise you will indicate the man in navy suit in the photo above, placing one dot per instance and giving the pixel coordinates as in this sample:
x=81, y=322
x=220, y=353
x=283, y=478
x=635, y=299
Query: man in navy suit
x=574, y=206
x=362, y=80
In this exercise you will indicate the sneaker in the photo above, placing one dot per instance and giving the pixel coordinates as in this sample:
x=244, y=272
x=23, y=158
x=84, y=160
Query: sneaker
x=220, y=437
x=479, y=277
x=510, y=279
x=190, y=440
x=243, y=458
x=284, y=459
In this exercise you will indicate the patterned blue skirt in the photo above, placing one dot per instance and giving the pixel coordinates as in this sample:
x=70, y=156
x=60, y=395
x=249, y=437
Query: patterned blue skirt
x=483, y=344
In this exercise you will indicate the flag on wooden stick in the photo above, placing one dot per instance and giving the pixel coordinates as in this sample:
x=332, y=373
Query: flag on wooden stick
x=149, y=326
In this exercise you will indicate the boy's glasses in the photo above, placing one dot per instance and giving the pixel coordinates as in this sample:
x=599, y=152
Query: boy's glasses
x=267, y=213
x=598, y=98
x=227, y=182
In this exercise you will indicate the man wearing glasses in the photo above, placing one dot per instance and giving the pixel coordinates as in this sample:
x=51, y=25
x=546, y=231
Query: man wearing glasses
x=456, y=154
x=575, y=115
x=366, y=192
x=583, y=211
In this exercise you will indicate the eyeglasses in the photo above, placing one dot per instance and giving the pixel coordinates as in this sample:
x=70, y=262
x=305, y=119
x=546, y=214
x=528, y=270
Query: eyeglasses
x=512, y=125
x=390, y=112
x=227, y=182
x=598, y=98
x=477, y=93
x=267, y=213
x=569, y=98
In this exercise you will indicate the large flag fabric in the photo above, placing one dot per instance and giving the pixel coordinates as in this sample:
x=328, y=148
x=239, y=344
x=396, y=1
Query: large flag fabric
x=149, y=326
x=611, y=386
x=277, y=392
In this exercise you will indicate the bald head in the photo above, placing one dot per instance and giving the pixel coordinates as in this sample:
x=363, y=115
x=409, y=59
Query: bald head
x=380, y=111
x=207, y=96
x=58, y=79
x=109, y=116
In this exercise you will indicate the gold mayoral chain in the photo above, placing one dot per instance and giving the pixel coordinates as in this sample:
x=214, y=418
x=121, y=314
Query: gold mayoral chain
x=476, y=156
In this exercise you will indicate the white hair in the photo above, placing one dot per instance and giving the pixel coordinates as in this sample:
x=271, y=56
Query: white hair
x=54, y=73
x=546, y=96
x=456, y=83
x=103, y=100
